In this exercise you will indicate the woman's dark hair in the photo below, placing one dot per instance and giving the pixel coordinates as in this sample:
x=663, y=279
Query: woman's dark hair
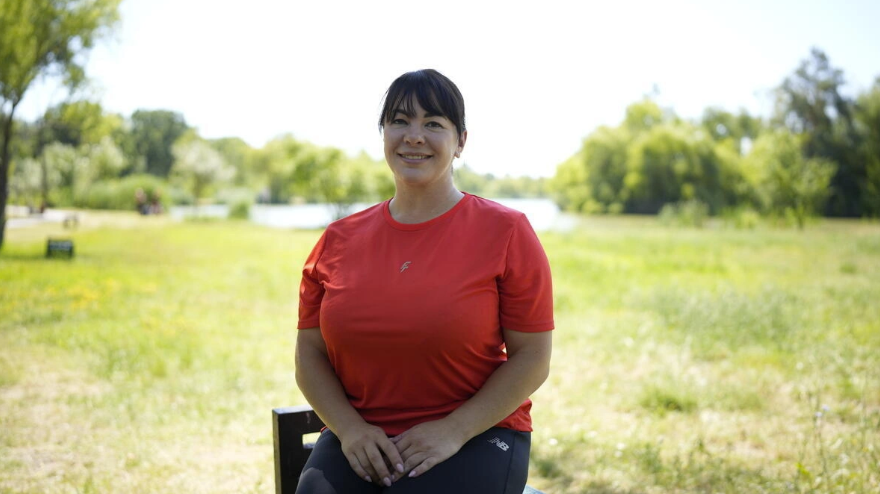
x=433, y=91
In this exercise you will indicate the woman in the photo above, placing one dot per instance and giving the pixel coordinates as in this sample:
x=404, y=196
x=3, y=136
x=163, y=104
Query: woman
x=424, y=322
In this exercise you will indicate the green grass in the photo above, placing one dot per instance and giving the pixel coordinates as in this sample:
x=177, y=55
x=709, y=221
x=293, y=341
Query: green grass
x=685, y=360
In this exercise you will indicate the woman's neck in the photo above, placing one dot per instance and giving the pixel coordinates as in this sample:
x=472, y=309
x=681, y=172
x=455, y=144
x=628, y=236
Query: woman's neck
x=418, y=206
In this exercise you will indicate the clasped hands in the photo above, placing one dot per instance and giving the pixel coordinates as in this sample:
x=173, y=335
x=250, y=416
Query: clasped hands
x=382, y=460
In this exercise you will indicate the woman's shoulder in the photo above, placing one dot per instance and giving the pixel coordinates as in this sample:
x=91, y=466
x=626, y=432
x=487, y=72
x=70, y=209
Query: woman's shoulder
x=358, y=220
x=493, y=211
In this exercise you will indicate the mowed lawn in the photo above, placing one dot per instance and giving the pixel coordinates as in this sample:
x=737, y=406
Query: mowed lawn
x=685, y=360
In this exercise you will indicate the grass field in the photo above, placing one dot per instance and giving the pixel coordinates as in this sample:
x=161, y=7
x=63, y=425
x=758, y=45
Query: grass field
x=713, y=360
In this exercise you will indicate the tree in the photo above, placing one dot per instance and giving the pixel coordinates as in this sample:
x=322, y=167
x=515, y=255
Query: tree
x=153, y=134
x=383, y=182
x=200, y=165
x=601, y=177
x=569, y=185
x=605, y=159
x=42, y=38
x=469, y=180
x=809, y=103
x=26, y=182
x=724, y=126
x=275, y=164
x=327, y=175
x=672, y=162
x=76, y=123
x=791, y=183
x=516, y=187
x=592, y=180
x=654, y=158
x=643, y=115
x=508, y=186
x=64, y=174
x=380, y=182
x=238, y=155
x=105, y=160
x=63, y=168
x=867, y=119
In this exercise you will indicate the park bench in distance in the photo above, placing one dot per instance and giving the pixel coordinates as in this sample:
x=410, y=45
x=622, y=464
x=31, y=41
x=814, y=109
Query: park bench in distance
x=62, y=247
x=59, y=247
x=289, y=425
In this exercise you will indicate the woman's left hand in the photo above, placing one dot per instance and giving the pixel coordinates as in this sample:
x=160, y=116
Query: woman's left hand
x=426, y=445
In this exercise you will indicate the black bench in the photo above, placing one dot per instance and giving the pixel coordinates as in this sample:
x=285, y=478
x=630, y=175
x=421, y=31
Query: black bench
x=289, y=425
x=59, y=247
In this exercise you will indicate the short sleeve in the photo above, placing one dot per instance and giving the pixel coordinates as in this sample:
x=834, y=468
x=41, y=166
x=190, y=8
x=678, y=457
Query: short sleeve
x=525, y=288
x=311, y=289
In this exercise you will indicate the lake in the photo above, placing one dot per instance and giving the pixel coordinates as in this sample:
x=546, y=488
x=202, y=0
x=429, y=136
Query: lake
x=543, y=214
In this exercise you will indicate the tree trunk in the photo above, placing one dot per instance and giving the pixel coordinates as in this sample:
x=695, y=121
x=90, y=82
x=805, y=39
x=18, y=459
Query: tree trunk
x=4, y=171
x=44, y=185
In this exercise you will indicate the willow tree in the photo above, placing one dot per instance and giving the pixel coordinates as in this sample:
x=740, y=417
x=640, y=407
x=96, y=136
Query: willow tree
x=43, y=39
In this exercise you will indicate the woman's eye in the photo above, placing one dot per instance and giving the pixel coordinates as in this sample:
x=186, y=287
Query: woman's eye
x=398, y=121
x=434, y=124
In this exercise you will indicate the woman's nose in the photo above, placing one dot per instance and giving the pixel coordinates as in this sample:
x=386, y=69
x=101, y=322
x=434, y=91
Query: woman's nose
x=414, y=136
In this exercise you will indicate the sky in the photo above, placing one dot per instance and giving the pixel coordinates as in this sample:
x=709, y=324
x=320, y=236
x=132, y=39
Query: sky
x=537, y=77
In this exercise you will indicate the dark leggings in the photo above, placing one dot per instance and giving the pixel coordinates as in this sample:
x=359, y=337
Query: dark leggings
x=494, y=462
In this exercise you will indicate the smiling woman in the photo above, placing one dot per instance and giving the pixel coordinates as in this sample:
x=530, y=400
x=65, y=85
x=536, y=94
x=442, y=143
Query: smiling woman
x=420, y=146
x=424, y=130
x=425, y=322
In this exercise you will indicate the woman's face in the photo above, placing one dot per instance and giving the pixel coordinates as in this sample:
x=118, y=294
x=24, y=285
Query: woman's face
x=420, y=147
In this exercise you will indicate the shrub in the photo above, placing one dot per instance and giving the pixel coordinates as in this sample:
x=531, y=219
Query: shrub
x=120, y=193
x=742, y=217
x=240, y=210
x=686, y=213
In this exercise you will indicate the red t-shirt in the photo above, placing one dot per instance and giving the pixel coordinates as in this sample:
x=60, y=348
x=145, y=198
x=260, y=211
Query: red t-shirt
x=412, y=313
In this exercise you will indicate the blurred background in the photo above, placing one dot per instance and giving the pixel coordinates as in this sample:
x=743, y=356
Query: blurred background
x=767, y=107
x=705, y=178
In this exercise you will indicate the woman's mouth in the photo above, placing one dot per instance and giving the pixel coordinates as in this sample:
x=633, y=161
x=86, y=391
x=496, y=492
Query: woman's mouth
x=414, y=156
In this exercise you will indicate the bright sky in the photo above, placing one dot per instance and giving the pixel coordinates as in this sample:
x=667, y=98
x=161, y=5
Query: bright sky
x=537, y=76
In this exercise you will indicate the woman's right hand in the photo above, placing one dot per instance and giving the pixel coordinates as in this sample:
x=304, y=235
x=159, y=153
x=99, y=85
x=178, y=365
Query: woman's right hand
x=369, y=451
x=371, y=454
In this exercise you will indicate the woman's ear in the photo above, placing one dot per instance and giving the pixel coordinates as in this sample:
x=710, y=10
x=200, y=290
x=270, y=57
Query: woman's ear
x=461, y=140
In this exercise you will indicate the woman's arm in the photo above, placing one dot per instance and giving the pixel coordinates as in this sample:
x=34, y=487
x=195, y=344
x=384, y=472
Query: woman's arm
x=363, y=444
x=527, y=367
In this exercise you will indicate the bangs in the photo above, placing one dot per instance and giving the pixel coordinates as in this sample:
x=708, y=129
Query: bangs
x=405, y=103
x=435, y=93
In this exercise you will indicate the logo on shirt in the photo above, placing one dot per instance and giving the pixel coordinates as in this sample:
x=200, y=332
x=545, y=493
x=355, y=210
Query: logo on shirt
x=405, y=265
x=498, y=442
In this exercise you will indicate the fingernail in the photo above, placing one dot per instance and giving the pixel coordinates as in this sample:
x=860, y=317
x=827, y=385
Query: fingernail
x=400, y=468
x=387, y=482
x=368, y=479
x=412, y=474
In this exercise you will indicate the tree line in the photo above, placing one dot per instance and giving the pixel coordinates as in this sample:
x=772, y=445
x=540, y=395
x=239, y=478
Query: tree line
x=819, y=153
x=78, y=155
